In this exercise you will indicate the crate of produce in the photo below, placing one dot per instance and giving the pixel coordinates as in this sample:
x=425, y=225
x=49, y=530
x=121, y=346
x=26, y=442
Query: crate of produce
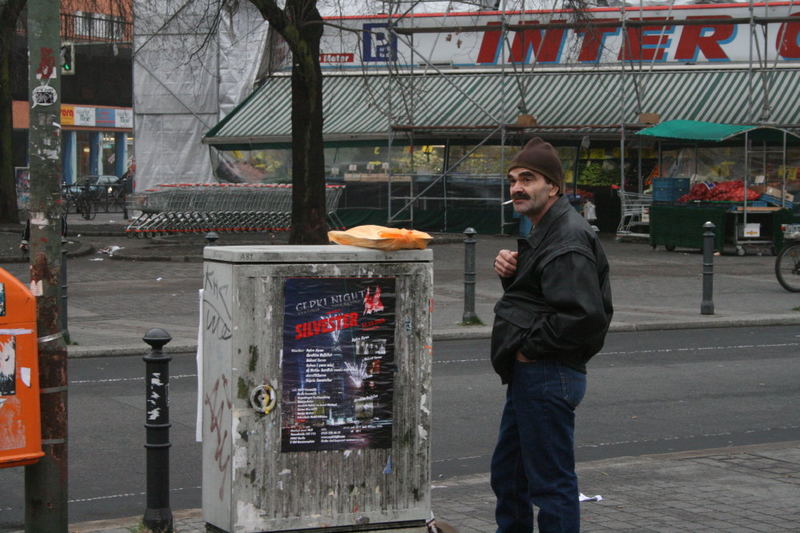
x=669, y=189
x=776, y=201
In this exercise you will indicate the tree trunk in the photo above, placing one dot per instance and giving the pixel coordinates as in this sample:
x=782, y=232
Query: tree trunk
x=309, y=224
x=8, y=188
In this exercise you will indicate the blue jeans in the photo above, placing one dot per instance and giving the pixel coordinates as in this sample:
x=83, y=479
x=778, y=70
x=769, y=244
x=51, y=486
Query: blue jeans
x=534, y=461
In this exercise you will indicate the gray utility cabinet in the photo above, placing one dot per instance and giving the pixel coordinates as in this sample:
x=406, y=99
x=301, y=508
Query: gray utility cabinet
x=316, y=388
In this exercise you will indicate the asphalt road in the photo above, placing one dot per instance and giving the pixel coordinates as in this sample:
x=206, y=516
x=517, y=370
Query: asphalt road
x=649, y=392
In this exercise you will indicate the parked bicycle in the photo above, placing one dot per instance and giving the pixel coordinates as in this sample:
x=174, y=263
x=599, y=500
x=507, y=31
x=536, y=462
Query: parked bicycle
x=82, y=198
x=787, y=264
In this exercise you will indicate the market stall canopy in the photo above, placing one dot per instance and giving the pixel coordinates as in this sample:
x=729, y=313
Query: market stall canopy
x=694, y=130
x=363, y=108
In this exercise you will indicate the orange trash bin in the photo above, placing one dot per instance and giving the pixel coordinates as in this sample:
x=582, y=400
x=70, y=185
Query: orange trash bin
x=20, y=424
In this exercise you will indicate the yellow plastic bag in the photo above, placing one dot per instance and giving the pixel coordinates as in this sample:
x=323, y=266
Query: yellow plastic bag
x=381, y=237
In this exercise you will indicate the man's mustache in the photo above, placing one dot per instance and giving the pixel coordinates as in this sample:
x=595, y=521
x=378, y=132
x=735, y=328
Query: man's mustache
x=520, y=196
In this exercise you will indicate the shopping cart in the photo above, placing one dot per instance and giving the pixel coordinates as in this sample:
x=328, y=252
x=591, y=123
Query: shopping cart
x=200, y=208
x=635, y=214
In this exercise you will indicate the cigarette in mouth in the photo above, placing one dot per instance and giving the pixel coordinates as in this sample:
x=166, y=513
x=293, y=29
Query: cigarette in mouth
x=508, y=202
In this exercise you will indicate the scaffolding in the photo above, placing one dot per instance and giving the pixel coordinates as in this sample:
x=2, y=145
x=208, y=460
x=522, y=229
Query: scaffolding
x=404, y=195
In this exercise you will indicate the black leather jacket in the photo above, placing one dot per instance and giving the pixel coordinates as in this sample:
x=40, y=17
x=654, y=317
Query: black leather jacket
x=557, y=306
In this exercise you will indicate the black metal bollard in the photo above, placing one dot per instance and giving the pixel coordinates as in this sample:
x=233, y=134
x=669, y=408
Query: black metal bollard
x=707, y=305
x=469, y=278
x=211, y=237
x=157, y=515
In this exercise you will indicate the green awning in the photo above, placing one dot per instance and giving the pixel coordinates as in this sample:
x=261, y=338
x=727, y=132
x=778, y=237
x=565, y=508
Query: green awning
x=695, y=130
x=363, y=108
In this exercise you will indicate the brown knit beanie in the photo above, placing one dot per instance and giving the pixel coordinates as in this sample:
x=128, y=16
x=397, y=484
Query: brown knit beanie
x=541, y=157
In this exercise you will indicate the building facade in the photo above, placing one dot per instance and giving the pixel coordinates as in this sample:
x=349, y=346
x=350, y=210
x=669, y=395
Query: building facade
x=96, y=112
x=422, y=112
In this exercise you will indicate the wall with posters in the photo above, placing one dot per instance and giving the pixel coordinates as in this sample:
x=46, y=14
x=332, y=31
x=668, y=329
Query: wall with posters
x=338, y=366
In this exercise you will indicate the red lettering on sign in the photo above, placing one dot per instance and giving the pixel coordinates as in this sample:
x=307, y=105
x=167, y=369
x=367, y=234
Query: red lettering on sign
x=336, y=58
x=646, y=42
x=788, y=40
x=697, y=39
x=326, y=325
x=593, y=39
x=372, y=324
x=490, y=45
x=545, y=49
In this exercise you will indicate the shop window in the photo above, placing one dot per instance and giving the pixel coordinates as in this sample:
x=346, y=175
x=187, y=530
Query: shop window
x=82, y=142
x=482, y=162
x=252, y=166
x=357, y=163
x=129, y=152
x=108, y=154
x=598, y=167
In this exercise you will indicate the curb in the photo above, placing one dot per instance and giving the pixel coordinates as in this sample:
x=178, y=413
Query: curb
x=86, y=352
x=704, y=323
x=481, y=332
x=152, y=258
x=96, y=233
x=81, y=251
x=198, y=258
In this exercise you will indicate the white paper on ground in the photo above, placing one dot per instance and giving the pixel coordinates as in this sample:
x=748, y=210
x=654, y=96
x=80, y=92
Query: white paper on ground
x=584, y=498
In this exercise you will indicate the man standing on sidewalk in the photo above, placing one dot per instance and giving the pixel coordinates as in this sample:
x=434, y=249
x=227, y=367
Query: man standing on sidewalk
x=552, y=317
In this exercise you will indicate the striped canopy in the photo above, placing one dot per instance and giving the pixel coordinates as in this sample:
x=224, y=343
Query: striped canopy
x=366, y=107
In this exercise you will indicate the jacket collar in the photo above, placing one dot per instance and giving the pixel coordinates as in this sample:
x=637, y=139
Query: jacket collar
x=556, y=211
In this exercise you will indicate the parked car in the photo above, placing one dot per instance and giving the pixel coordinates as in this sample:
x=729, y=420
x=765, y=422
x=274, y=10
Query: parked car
x=96, y=184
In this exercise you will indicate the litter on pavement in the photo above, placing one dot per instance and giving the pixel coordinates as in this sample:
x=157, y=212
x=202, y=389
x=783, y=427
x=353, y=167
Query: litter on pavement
x=109, y=250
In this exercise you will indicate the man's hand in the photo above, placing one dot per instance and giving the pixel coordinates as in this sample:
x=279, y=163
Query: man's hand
x=505, y=264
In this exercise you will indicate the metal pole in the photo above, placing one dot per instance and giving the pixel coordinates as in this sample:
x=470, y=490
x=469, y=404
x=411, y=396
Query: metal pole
x=157, y=515
x=785, y=171
x=707, y=305
x=469, y=317
x=746, y=178
x=63, y=283
x=46, y=481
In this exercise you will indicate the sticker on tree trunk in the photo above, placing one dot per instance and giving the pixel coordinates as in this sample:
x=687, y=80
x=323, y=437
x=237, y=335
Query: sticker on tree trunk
x=338, y=363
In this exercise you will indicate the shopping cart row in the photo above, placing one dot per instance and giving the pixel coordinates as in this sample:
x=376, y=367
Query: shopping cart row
x=200, y=208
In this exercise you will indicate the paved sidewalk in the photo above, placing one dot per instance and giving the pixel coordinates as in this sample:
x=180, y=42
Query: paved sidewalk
x=743, y=489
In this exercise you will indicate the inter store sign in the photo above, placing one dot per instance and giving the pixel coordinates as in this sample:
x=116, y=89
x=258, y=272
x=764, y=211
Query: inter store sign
x=656, y=34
